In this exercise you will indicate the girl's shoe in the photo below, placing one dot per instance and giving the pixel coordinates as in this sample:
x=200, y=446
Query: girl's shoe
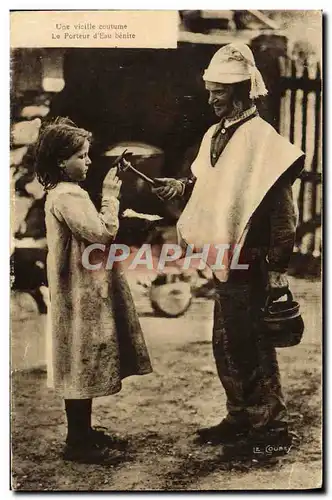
x=91, y=451
x=99, y=437
x=85, y=453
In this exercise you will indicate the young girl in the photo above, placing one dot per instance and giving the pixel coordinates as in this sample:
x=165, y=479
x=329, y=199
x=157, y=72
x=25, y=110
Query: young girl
x=95, y=338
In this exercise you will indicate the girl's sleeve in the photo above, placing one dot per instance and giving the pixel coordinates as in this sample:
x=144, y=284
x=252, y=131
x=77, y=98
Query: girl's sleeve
x=76, y=209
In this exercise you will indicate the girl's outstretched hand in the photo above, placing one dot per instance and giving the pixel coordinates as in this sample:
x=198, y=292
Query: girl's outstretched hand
x=112, y=184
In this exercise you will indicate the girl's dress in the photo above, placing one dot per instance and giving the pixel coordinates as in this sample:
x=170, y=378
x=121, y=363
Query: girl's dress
x=94, y=335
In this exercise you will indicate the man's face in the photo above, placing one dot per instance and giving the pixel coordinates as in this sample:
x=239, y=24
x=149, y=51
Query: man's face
x=220, y=97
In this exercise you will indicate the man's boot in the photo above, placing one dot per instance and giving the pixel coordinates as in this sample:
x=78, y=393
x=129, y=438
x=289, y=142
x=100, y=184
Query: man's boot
x=229, y=430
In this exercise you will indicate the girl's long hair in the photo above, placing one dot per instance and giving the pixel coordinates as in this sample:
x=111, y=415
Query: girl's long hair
x=58, y=140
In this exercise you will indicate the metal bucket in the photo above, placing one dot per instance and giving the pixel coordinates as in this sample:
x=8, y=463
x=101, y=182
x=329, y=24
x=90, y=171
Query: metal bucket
x=282, y=321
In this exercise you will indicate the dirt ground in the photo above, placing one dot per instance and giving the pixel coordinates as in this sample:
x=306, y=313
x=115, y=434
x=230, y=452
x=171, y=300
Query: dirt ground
x=160, y=412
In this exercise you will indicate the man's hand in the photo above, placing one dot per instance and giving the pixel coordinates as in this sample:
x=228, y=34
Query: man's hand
x=277, y=284
x=167, y=188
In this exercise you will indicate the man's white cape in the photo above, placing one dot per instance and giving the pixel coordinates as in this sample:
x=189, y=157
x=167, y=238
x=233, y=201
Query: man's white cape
x=226, y=196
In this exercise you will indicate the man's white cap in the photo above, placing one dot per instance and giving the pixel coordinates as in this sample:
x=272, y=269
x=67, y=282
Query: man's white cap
x=235, y=63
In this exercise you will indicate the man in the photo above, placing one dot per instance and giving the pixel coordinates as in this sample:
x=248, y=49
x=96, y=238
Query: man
x=240, y=194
